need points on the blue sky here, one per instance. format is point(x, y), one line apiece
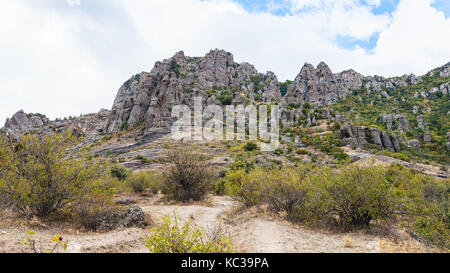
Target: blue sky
point(67, 57)
point(442, 5)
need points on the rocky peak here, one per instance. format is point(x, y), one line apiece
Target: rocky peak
point(313, 85)
point(348, 80)
point(88, 126)
point(215, 77)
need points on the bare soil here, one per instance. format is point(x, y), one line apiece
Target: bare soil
point(250, 229)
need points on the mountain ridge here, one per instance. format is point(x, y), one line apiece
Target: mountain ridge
point(146, 99)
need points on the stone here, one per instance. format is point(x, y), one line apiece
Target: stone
point(375, 135)
point(427, 138)
point(313, 85)
point(88, 126)
point(444, 71)
point(387, 143)
point(396, 143)
point(125, 217)
point(179, 79)
point(421, 123)
point(414, 143)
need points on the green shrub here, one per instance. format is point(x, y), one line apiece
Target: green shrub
point(120, 172)
point(358, 195)
point(225, 99)
point(144, 180)
point(251, 146)
point(219, 187)
point(38, 177)
point(245, 186)
point(303, 152)
point(278, 151)
point(188, 177)
point(286, 191)
point(143, 159)
point(171, 235)
point(341, 156)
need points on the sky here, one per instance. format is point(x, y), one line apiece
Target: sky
point(69, 57)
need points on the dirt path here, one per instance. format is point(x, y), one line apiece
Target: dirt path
point(264, 234)
point(250, 232)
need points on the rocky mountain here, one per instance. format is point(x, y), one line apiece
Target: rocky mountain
point(87, 126)
point(216, 77)
point(148, 97)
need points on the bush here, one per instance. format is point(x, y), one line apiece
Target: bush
point(278, 151)
point(245, 186)
point(251, 146)
point(341, 156)
point(144, 180)
point(286, 191)
point(358, 195)
point(172, 236)
point(92, 211)
point(188, 177)
point(351, 196)
point(38, 177)
point(219, 187)
point(120, 172)
point(303, 152)
point(143, 159)
point(225, 99)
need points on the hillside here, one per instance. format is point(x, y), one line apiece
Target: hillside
point(337, 129)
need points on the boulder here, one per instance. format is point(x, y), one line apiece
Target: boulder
point(427, 138)
point(395, 143)
point(415, 144)
point(387, 143)
point(375, 135)
point(126, 217)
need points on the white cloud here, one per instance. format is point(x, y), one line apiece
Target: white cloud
point(376, 3)
point(53, 61)
point(45, 67)
point(73, 2)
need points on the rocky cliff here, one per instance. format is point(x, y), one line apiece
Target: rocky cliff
point(148, 97)
point(216, 77)
point(87, 126)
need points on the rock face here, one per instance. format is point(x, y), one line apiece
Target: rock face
point(401, 121)
point(357, 136)
point(421, 122)
point(314, 85)
point(20, 124)
point(444, 71)
point(448, 143)
point(88, 126)
point(427, 138)
point(148, 97)
point(415, 144)
point(215, 77)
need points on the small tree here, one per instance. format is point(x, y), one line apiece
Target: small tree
point(38, 176)
point(120, 172)
point(358, 195)
point(188, 177)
